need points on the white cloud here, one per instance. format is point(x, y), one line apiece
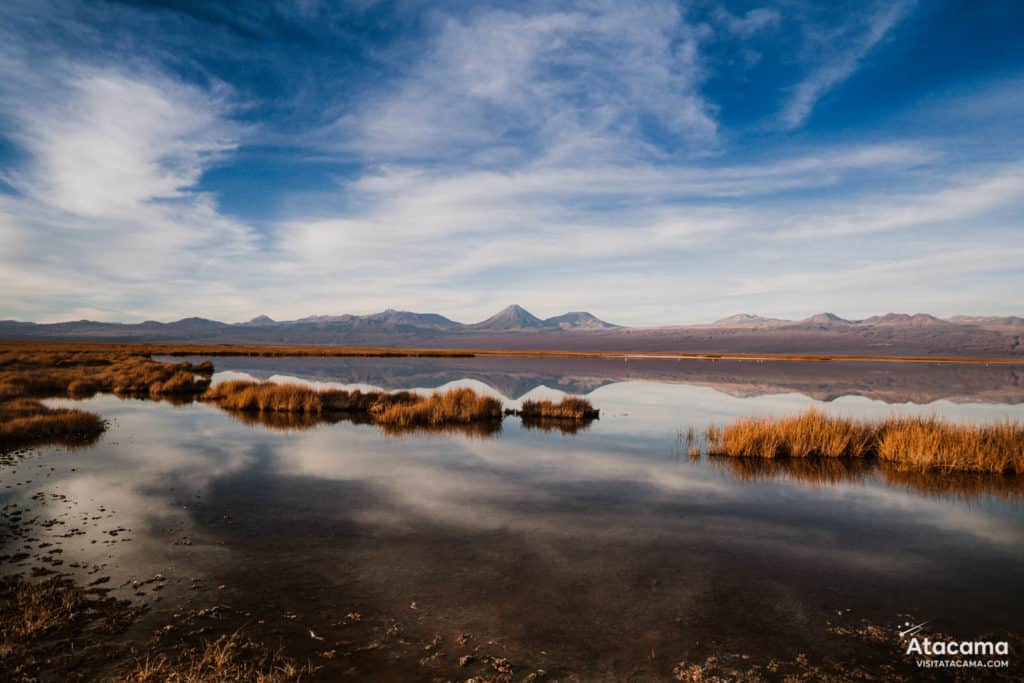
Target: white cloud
point(106, 213)
point(750, 23)
point(841, 63)
point(103, 142)
point(956, 202)
point(499, 86)
point(461, 223)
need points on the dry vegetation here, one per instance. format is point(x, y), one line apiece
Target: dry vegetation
point(569, 408)
point(27, 422)
point(271, 397)
point(567, 416)
point(931, 444)
point(397, 411)
point(457, 406)
point(60, 630)
point(27, 375)
point(910, 443)
point(80, 374)
point(228, 658)
point(39, 621)
point(810, 434)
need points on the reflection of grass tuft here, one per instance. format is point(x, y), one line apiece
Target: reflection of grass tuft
point(911, 443)
point(546, 424)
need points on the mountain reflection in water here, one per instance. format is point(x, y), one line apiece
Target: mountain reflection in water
point(515, 378)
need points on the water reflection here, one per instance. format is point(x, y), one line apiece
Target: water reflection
point(831, 471)
point(515, 378)
point(579, 553)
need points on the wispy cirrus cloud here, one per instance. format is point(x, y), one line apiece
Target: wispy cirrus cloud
point(953, 202)
point(579, 78)
point(102, 142)
point(841, 62)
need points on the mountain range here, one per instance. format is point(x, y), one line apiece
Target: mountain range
point(516, 328)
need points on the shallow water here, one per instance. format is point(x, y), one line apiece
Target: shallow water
point(608, 554)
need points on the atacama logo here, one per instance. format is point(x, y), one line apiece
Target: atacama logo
point(943, 653)
point(942, 648)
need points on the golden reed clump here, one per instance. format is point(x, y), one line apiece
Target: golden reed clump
point(456, 406)
point(913, 443)
point(31, 374)
point(249, 396)
point(810, 434)
point(26, 422)
point(569, 408)
point(927, 443)
point(82, 374)
point(399, 410)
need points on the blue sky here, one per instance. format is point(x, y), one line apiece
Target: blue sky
point(653, 162)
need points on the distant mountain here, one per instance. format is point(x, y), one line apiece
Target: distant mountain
point(516, 328)
point(431, 321)
point(513, 317)
point(516, 317)
point(916, 320)
point(578, 320)
point(824, 319)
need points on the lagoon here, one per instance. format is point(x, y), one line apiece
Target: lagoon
point(605, 554)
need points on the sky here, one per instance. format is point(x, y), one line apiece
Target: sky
point(653, 162)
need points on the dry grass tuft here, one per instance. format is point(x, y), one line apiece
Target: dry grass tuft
point(246, 396)
point(398, 411)
point(228, 658)
point(912, 443)
point(27, 374)
point(32, 609)
point(810, 434)
point(927, 443)
point(569, 408)
point(42, 374)
point(39, 620)
point(26, 422)
point(454, 407)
